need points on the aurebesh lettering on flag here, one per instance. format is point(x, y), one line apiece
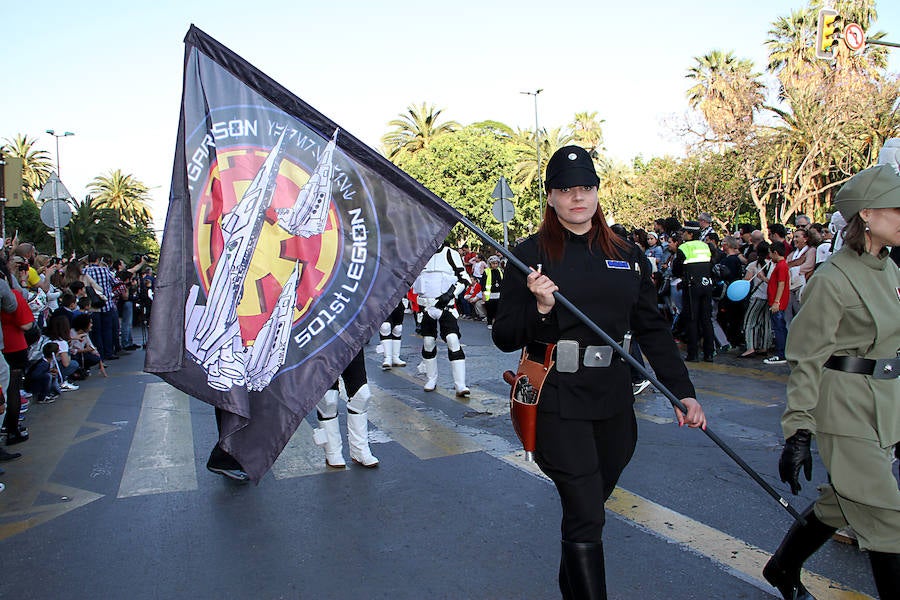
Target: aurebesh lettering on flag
point(287, 242)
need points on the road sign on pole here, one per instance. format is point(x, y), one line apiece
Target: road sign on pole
point(854, 36)
point(503, 210)
point(55, 211)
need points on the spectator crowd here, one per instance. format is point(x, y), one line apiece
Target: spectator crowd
point(63, 318)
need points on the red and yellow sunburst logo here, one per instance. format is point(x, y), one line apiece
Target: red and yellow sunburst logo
point(277, 251)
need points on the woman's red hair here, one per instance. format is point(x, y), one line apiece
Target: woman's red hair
point(552, 236)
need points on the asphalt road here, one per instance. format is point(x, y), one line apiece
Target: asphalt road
point(111, 498)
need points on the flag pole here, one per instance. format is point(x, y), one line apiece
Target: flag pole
point(636, 365)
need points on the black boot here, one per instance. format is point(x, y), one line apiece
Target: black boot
point(583, 570)
point(886, 569)
point(783, 569)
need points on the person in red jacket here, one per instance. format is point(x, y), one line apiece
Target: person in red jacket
point(779, 296)
point(15, 351)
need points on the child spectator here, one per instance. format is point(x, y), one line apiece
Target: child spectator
point(80, 346)
point(58, 331)
point(41, 377)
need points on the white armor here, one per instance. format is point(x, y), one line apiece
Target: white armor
point(442, 280)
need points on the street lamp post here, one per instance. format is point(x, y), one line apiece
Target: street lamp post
point(537, 147)
point(57, 136)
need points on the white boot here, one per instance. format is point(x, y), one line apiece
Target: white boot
point(430, 372)
point(458, 367)
point(358, 440)
point(387, 345)
point(395, 354)
point(329, 437)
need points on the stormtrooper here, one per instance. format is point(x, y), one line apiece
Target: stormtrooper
point(442, 280)
point(328, 435)
point(390, 332)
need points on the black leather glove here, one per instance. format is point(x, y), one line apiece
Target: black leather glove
point(795, 455)
point(444, 300)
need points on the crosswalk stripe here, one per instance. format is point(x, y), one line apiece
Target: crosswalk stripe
point(300, 456)
point(161, 457)
point(419, 433)
point(739, 557)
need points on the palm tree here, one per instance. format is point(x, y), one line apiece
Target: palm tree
point(415, 129)
point(527, 169)
point(791, 44)
point(123, 194)
point(98, 229)
point(726, 91)
point(588, 132)
point(37, 165)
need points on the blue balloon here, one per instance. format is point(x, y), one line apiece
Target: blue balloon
point(738, 290)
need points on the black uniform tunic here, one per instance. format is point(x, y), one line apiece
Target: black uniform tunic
point(586, 430)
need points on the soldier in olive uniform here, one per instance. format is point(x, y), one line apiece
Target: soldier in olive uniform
point(844, 390)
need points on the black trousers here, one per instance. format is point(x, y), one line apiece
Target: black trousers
point(584, 459)
point(697, 305)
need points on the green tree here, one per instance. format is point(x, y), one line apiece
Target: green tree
point(726, 91)
point(25, 223)
point(93, 228)
point(414, 130)
point(463, 168)
point(587, 132)
point(124, 194)
point(37, 166)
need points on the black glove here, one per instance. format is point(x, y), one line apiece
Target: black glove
point(796, 454)
point(897, 451)
point(444, 300)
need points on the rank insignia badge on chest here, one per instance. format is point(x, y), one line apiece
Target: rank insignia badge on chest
point(618, 264)
point(898, 293)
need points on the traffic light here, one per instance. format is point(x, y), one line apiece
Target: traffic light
point(828, 30)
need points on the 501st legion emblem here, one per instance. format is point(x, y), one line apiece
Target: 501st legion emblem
point(285, 247)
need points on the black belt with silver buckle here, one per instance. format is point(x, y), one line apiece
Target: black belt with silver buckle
point(565, 357)
point(881, 368)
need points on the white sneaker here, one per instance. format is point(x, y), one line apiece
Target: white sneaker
point(637, 388)
point(68, 387)
point(775, 360)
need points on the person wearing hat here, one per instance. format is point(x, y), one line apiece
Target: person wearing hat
point(693, 263)
point(704, 220)
point(844, 390)
point(493, 280)
point(586, 428)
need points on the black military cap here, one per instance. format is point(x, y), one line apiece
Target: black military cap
point(691, 226)
point(570, 166)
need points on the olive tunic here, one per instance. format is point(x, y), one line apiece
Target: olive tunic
point(851, 307)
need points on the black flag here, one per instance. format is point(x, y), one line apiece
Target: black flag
point(287, 243)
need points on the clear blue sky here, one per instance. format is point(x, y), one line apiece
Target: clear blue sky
point(111, 71)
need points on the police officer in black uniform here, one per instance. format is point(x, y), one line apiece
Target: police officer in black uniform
point(693, 263)
point(586, 428)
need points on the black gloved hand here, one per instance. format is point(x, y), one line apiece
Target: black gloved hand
point(444, 300)
point(796, 454)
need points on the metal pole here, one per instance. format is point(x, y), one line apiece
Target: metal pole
point(876, 42)
point(56, 218)
point(537, 147)
point(57, 136)
point(640, 368)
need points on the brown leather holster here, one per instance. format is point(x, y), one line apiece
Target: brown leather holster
point(525, 392)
